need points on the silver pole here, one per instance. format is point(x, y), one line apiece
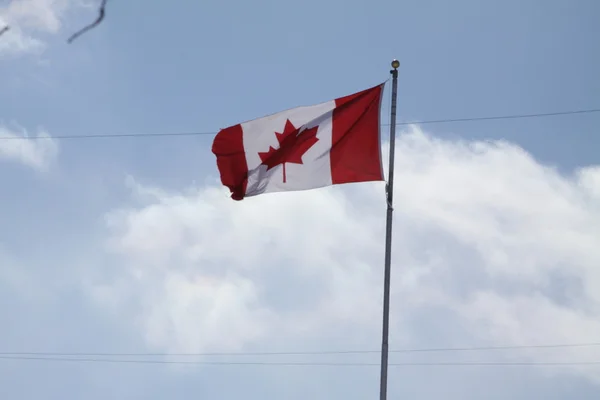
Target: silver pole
point(388, 238)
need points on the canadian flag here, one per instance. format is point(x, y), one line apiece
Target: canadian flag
point(304, 148)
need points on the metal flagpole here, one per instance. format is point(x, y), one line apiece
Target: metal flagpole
point(388, 238)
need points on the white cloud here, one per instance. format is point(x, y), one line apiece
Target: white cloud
point(30, 21)
point(35, 153)
point(505, 249)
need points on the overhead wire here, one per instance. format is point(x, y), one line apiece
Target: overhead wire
point(295, 353)
point(290, 364)
point(415, 122)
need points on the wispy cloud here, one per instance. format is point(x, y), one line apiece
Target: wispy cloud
point(504, 248)
point(38, 154)
point(31, 22)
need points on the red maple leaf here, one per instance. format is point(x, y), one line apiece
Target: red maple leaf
point(293, 143)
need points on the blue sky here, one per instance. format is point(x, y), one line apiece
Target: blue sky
point(130, 245)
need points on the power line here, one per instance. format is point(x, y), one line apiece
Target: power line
point(416, 122)
point(291, 364)
point(500, 117)
point(311, 364)
point(293, 353)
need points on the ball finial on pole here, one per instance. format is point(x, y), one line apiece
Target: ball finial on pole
point(395, 64)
